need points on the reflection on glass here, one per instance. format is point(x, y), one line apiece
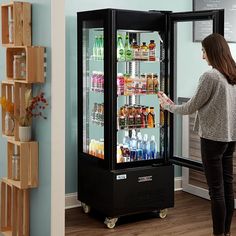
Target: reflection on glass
point(186, 141)
point(138, 111)
point(93, 88)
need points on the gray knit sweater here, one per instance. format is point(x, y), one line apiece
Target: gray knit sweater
point(215, 103)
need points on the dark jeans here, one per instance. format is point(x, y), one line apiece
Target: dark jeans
point(217, 158)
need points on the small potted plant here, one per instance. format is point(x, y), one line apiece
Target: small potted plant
point(34, 107)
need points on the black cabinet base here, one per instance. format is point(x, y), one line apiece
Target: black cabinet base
point(127, 191)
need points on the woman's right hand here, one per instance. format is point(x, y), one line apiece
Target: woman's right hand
point(164, 99)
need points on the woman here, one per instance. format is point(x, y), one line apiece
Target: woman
point(215, 104)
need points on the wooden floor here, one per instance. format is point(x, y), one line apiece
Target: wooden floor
point(189, 217)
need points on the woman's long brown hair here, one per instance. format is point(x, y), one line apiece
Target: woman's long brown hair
point(219, 56)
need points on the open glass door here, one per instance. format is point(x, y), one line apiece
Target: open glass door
point(184, 142)
point(184, 80)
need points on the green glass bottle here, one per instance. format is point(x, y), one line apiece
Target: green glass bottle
point(128, 51)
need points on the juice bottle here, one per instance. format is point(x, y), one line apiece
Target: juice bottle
point(151, 118)
point(120, 84)
point(149, 83)
point(144, 52)
point(122, 118)
point(155, 82)
point(137, 118)
point(131, 121)
point(128, 86)
point(102, 148)
point(143, 83)
point(102, 114)
point(135, 50)
point(152, 50)
point(162, 117)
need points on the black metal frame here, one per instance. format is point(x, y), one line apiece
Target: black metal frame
point(218, 27)
point(157, 21)
point(115, 20)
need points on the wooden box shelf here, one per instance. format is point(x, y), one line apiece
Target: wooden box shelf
point(19, 13)
point(14, 212)
point(7, 91)
point(28, 152)
point(35, 66)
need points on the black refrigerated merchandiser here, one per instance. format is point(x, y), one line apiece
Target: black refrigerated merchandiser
point(125, 140)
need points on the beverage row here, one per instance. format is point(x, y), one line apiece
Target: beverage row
point(146, 83)
point(126, 51)
point(134, 148)
point(137, 148)
point(136, 116)
point(97, 115)
point(129, 116)
point(96, 148)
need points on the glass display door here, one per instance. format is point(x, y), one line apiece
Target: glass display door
point(140, 122)
point(186, 142)
point(93, 88)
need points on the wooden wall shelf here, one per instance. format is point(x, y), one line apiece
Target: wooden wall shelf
point(14, 212)
point(35, 66)
point(20, 15)
point(28, 152)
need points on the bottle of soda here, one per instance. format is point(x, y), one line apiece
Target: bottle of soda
point(95, 48)
point(128, 51)
point(120, 49)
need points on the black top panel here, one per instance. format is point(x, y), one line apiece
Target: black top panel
point(129, 19)
point(140, 20)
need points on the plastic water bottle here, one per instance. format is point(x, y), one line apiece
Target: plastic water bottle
point(145, 147)
point(139, 151)
point(133, 146)
point(126, 139)
point(153, 147)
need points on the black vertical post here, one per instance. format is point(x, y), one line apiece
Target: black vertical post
point(110, 96)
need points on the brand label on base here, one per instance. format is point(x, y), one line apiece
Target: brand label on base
point(144, 178)
point(119, 177)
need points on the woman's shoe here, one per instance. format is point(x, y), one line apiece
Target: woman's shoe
point(228, 234)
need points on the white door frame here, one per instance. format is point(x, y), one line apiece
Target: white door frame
point(58, 118)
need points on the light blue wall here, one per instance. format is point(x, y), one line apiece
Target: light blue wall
point(71, 8)
point(40, 198)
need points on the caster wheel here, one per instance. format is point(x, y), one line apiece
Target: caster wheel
point(85, 207)
point(110, 222)
point(163, 213)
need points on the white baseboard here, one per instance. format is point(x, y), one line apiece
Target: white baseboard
point(178, 183)
point(72, 202)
